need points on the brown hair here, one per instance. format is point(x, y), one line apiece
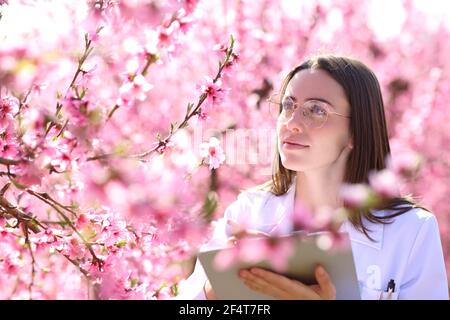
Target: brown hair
point(367, 127)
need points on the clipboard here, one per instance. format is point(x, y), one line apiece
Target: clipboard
point(307, 254)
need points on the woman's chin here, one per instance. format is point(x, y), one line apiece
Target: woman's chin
point(292, 165)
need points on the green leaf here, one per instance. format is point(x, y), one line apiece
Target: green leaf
point(175, 289)
point(82, 94)
point(172, 126)
point(133, 282)
point(95, 116)
point(189, 107)
point(121, 243)
point(18, 184)
point(210, 204)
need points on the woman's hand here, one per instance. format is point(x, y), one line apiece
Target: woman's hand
point(281, 287)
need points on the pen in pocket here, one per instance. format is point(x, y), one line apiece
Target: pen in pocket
point(390, 288)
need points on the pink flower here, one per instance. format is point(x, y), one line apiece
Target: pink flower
point(355, 195)
point(212, 152)
point(202, 116)
point(214, 93)
point(406, 164)
point(133, 89)
point(8, 150)
point(385, 183)
point(75, 249)
point(189, 5)
point(252, 250)
point(302, 218)
point(279, 254)
point(8, 108)
point(225, 259)
point(49, 237)
point(38, 88)
point(28, 173)
point(221, 47)
point(185, 22)
point(78, 110)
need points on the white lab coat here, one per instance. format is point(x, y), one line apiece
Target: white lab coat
point(408, 251)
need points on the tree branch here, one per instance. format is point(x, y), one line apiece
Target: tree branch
point(189, 114)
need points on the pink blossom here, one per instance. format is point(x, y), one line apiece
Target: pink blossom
point(355, 195)
point(406, 164)
point(75, 249)
point(212, 152)
point(280, 253)
point(9, 151)
point(189, 5)
point(221, 47)
point(385, 183)
point(185, 21)
point(8, 107)
point(133, 89)
point(29, 174)
point(226, 258)
point(78, 110)
point(214, 93)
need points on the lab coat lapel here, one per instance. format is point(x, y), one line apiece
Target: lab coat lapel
point(284, 209)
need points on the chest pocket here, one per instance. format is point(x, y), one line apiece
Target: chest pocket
point(373, 294)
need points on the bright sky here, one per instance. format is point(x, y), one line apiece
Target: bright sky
point(385, 18)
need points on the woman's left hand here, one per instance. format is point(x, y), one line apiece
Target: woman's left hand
point(281, 287)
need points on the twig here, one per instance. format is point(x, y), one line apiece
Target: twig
point(46, 196)
point(33, 261)
point(152, 58)
point(87, 51)
point(8, 162)
point(14, 211)
point(96, 260)
point(190, 113)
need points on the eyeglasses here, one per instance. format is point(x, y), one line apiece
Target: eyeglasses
point(314, 113)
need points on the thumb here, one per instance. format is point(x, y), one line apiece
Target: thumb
point(327, 288)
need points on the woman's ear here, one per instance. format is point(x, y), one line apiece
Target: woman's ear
point(350, 144)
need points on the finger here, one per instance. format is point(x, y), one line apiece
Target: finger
point(328, 290)
point(258, 284)
point(273, 278)
point(287, 285)
point(293, 288)
point(232, 240)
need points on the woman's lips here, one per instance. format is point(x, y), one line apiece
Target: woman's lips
point(293, 145)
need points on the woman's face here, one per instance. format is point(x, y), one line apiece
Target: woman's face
point(324, 144)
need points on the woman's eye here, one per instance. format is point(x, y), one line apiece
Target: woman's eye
point(287, 105)
point(318, 110)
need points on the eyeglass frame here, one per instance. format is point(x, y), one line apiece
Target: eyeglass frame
point(296, 105)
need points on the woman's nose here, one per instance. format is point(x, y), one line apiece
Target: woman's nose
point(294, 123)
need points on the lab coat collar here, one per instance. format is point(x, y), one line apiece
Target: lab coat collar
point(376, 230)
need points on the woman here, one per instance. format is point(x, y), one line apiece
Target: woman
point(332, 130)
